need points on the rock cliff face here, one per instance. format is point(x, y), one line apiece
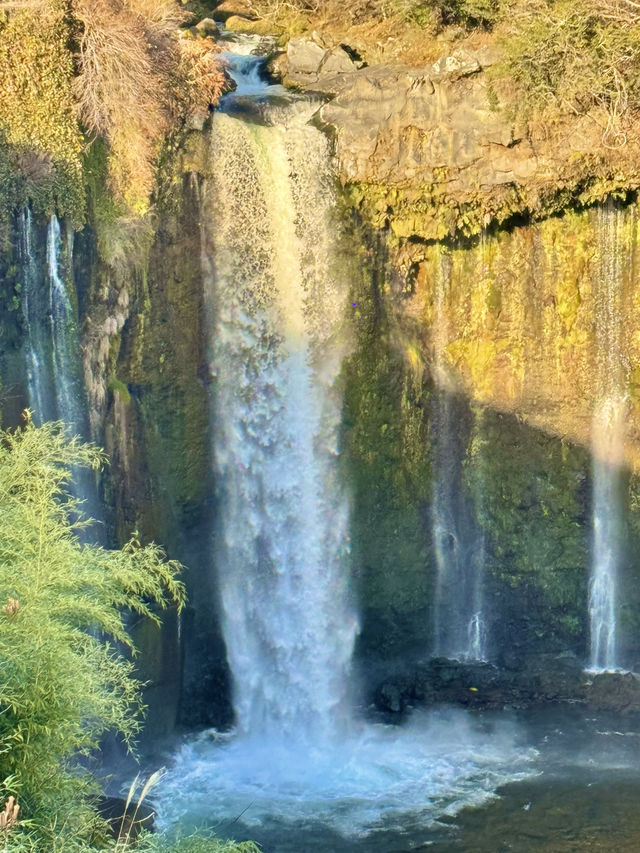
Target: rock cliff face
point(433, 152)
point(525, 320)
point(499, 291)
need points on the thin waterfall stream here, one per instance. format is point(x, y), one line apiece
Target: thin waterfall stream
point(65, 343)
point(459, 618)
point(607, 443)
point(53, 351)
point(35, 306)
point(53, 344)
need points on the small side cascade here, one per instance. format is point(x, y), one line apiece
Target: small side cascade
point(607, 511)
point(35, 306)
point(607, 446)
point(53, 345)
point(52, 348)
point(460, 625)
point(478, 632)
point(65, 342)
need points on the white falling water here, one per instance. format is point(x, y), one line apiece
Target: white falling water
point(476, 637)
point(477, 630)
point(65, 342)
point(282, 540)
point(459, 622)
point(607, 446)
point(52, 348)
point(607, 511)
point(38, 345)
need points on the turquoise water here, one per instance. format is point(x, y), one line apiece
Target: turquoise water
point(551, 780)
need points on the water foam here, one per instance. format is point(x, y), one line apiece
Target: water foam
point(377, 778)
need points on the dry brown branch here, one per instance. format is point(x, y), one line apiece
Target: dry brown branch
point(619, 11)
point(203, 71)
point(10, 608)
point(9, 817)
point(10, 5)
point(128, 61)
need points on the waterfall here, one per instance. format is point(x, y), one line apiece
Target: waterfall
point(459, 622)
point(65, 342)
point(53, 353)
point(276, 308)
point(53, 347)
point(35, 305)
point(607, 445)
point(477, 627)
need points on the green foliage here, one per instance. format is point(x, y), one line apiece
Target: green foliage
point(114, 71)
point(470, 13)
point(26, 841)
point(63, 678)
point(10, 291)
point(568, 55)
point(200, 843)
point(40, 140)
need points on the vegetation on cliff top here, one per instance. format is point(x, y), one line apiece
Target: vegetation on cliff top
point(573, 57)
point(76, 71)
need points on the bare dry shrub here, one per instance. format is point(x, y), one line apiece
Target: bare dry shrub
point(126, 85)
point(203, 72)
point(9, 817)
point(124, 242)
point(621, 11)
point(34, 165)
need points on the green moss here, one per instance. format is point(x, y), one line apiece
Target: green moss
point(531, 493)
point(40, 141)
point(430, 213)
point(629, 571)
point(119, 388)
point(386, 448)
point(10, 315)
point(159, 359)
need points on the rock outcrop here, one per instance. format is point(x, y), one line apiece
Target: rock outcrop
point(557, 679)
point(434, 152)
point(310, 64)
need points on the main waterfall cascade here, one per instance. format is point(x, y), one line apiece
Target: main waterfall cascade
point(460, 630)
point(607, 444)
point(276, 348)
point(276, 302)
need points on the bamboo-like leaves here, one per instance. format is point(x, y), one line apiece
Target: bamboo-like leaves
point(63, 678)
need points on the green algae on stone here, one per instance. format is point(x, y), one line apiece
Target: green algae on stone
point(432, 212)
point(516, 318)
point(531, 497)
point(386, 448)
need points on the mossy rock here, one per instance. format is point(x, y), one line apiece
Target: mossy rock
point(238, 24)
